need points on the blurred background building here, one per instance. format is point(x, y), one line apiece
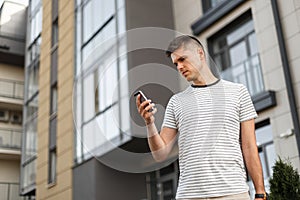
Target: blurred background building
point(12, 44)
point(252, 42)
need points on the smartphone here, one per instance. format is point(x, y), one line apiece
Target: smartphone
point(143, 98)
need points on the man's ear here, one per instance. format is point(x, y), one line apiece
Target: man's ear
point(201, 53)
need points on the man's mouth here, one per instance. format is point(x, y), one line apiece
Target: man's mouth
point(184, 73)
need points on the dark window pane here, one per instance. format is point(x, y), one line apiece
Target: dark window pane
point(33, 80)
point(53, 106)
point(54, 32)
point(54, 9)
point(209, 4)
point(52, 167)
point(54, 67)
point(52, 142)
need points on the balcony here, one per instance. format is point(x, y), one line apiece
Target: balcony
point(248, 73)
point(10, 191)
point(11, 89)
point(10, 139)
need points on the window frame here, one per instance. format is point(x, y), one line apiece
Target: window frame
point(222, 35)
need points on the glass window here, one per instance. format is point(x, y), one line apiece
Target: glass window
point(54, 9)
point(52, 167)
point(31, 109)
point(29, 174)
point(35, 24)
point(87, 21)
point(30, 132)
point(99, 88)
point(54, 67)
point(88, 98)
point(52, 141)
point(33, 81)
point(54, 32)
point(102, 11)
point(112, 119)
point(93, 136)
point(53, 106)
point(95, 15)
point(209, 4)
point(29, 136)
point(78, 42)
point(235, 52)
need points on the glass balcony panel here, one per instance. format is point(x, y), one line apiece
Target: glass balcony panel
point(10, 139)
point(11, 89)
point(248, 73)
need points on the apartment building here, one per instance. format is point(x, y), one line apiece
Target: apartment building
point(12, 44)
point(82, 136)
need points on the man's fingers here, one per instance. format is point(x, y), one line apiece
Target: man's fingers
point(143, 105)
point(148, 110)
point(154, 110)
point(138, 100)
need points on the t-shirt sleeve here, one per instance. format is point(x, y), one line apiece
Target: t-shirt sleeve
point(247, 110)
point(169, 119)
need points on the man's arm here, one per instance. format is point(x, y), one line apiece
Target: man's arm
point(251, 157)
point(160, 144)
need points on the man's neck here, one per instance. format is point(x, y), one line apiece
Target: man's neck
point(207, 81)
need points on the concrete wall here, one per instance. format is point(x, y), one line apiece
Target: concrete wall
point(93, 180)
point(11, 72)
point(9, 171)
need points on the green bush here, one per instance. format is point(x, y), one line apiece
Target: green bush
point(285, 183)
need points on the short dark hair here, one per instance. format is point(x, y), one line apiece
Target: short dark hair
point(180, 41)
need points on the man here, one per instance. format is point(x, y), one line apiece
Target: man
point(213, 120)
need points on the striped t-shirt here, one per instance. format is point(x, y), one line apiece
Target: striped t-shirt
point(208, 122)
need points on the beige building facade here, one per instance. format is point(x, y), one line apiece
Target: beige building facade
point(64, 104)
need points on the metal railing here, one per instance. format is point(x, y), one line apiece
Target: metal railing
point(248, 73)
point(9, 191)
point(10, 139)
point(11, 89)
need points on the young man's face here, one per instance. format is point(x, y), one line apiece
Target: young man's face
point(188, 62)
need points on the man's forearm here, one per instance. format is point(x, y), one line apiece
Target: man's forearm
point(254, 168)
point(156, 143)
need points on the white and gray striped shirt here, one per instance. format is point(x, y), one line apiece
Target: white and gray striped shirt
point(208, 121)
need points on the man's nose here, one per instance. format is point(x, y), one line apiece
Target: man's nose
point(179, 66)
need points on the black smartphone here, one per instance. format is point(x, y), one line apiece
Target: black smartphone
point(143, 98)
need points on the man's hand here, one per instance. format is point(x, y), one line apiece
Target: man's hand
point(143, 109)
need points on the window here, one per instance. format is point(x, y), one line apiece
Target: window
point(54, 32)
point(234, 49)
point(101, 99)
point(209, 4)
point(35, 20)
point(52, 152)
point(53, 96)
point(52, 168)
point(30, 109)
point(163, 183)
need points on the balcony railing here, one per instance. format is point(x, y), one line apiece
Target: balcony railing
point(10, 139)
point(248, 73)
point(9, 191)
point(11, 89)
